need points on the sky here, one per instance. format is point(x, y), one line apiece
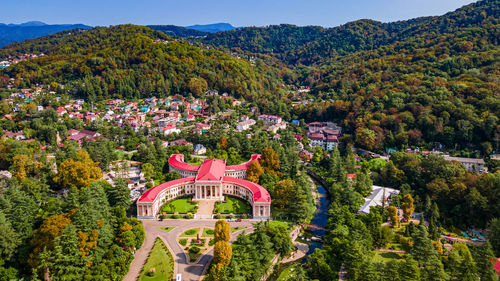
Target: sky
point(327, 13)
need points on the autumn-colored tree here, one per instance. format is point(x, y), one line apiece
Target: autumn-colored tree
point(393, 216)
point(216, 272)
point(79, 173)
point(43, 238)
point(366, 137)
point(223, 142)
point(222, 231)
point(86, 242)
point(19, 163)
point(222, 253)
point(271, 161)
point(407, 206)
point(254, 171)
point(197, 86)
point(283, 192)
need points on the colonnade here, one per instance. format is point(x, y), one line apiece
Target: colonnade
point(208, 192)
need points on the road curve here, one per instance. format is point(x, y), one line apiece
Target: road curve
point(189, 271)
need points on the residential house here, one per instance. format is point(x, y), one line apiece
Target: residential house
point(471, 164)
point(245, 125)
point(199, 149)
point(167, 130)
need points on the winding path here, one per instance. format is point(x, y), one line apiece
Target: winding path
point(189, 271)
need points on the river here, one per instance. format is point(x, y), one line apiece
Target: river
point(320, 218)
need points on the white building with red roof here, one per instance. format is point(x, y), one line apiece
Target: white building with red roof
point(210, 181)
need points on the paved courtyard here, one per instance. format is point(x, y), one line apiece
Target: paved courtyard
point(189, 271)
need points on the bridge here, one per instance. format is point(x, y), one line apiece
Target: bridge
point(313, 226)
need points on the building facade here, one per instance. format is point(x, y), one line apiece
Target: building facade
point(210, 181)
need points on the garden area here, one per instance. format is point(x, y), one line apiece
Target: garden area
point(166, 228)
point(232, 205)
point(196, 241)
point(159, 265)
point(184, 205)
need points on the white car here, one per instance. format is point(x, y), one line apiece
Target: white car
point(179, 277)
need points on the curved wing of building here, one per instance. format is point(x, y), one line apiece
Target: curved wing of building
point(210, 181)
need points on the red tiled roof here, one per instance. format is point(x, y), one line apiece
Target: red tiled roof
point(177, 161)
point(211, 170)
point(243, 166)
point(497, 265)
point(260, 194)
point(150, 195)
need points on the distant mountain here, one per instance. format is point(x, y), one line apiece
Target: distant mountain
point(178, 31)
point(213, 28)
point(314, 45)
point(10, 33)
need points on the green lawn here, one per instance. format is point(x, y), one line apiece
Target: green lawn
point(277, 223)
point(166, 228)
point(237, 228)
point(191, 232)
point(232, 205)
point(288, 273)
point(180, 205)
point(208, 232)
point(385, 256)
point(161, 260)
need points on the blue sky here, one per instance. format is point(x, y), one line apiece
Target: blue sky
point(237, 12)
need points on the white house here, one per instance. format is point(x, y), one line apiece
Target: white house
point(380, 196)
point(167, 130)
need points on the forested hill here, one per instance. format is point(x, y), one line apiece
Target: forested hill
point(439, 86)
point(314, 45)
point(12, 33)
point(179, 31)
point(135, 61)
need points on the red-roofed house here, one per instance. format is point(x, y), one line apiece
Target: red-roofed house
point(61, 110)
point(190, 117)
point(210, 181)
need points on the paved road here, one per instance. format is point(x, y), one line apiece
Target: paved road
point(189, 271)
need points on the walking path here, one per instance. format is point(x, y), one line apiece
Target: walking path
point(189, 271)
point(205, 209)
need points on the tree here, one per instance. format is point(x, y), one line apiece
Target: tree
point(409, 270)
point(318, 154)
point(254, 171)
point(197, 86)
point(172, 176)
point(407, 207)
point(318, 267)
point(79, 173)
point(494, 235)
point(119, 195)
point(222, 231)
point(44, 237)
point(9, 239)
point(19, 163)
point(426, 255)
point(222, 253)
point(393, 216)
point(216, 272)
point(149, 170)
point(270, 161)
point(223, 142)
point(460, 263)
point(283, 191)
point(484, 259)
